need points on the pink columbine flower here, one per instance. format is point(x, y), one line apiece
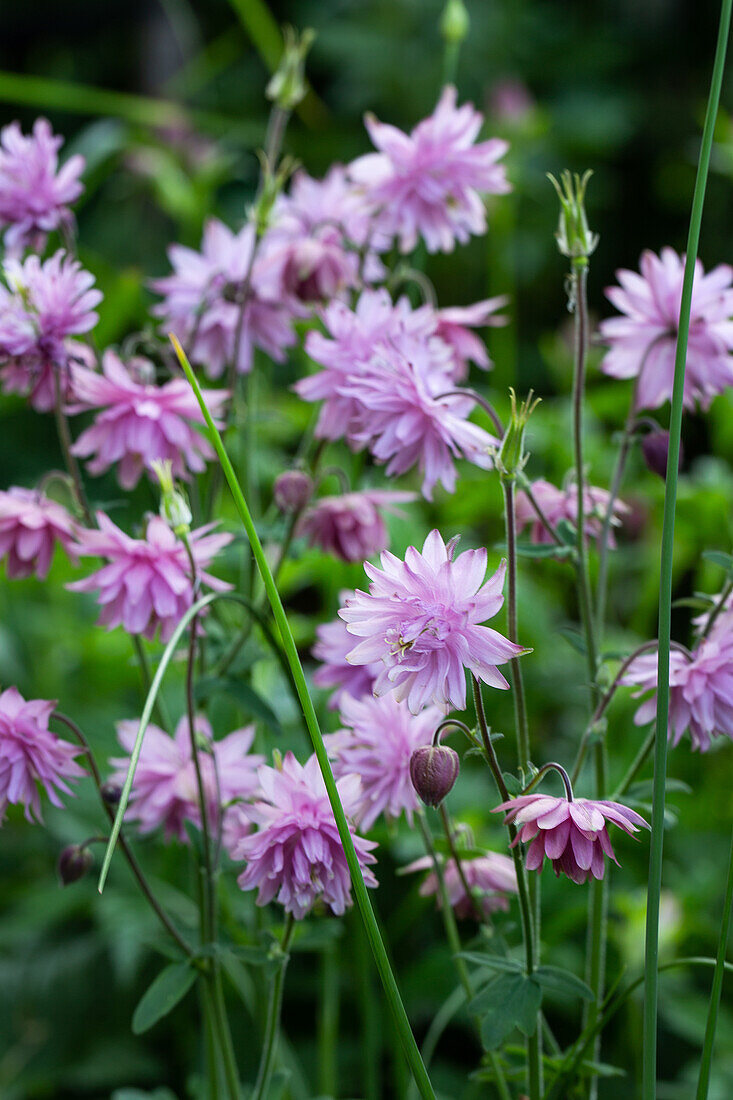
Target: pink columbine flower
point(30, 527)
point(454, 328)
point(376, 743)
point(351, 526)
point(572, 834)
point(139, 423)
point(35, 194)
point(334, 642)
point(201, 302)
point(146, 583)
point(165, 791)
point(642, 343)
point(422, 619)
point(42, 306)
point(428, 183)
point(701, 689)
point(30, 754)
point(490, 878)
point(296, 855)
point(562, 504)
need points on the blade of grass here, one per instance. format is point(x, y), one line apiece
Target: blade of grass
point(651, 958)
point(391, 990)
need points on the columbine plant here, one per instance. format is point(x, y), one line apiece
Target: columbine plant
point(318, 264)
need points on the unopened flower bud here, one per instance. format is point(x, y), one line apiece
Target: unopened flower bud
point(433, 771)
point(655, 449)
point(288, 86)
point(173, 504)
point(574, 238)
point(512, 457)
point(111, 793)
point(292, 491)
point(454, 22)
point(73, 864)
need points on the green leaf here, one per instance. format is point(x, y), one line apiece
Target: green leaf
point(563, 981)
point(251, 702)
point(717, 557)
point(697, 603)
point(513, 1000)
point(574, 638)
point(543, 550)
point(492, 962)
point(160, 998)
point(239, 978)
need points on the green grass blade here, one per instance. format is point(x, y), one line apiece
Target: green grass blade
point(360, 892)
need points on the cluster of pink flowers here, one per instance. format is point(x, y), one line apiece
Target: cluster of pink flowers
point(31, 526)
point(165, 791)
point(140, 423)
point(562, 504)
point(642, 342)
point(146, 584)
point(422, 619)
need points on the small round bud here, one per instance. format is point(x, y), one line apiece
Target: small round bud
point(454, 22)
point(292, 491)
point(111, 793)
point(433, 771)
point(655, 449)
point(73, 863)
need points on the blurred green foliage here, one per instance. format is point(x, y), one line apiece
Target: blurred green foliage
point(617, 87)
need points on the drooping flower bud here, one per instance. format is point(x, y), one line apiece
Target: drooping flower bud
point(111, 793)
point(655, 449)
point(173, 504)
point(574, 238)
point(73, 863)
point(433, 771)
point(292, 491)
point(288, 86)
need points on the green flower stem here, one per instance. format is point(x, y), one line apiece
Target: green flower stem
point(534, 1056)
point(651, 984)
point(402, 1024)
point(605, 538)
point(328, 1021)
point(636, 765)
point(144, 665)
point(272, 1025)
point(65, 442)
point(520, 705)
point(456, 857)
point(707, 1050)
point(369, 1010)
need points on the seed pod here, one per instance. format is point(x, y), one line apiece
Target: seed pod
point(433, 771)
point(73, 863)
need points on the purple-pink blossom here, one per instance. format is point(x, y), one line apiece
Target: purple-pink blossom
point(454, 328)
point(331, 648)
point(296, 856)
point(35, 193)
point(490, 878)
point(428, 184)
point(700, 693)
point(146, 584)
point(202, 302)
point(139, 423)
point(31, 526)
point(562, 504)
point(351, 526)
point(572, 834)
point(376, 742)
point(31, 755)
point(642, 342)
point(422, 619)
point(42, 307)
point(165, 790)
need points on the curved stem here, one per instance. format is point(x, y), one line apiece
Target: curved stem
point(455, 856)
point(482, 401)
point(402, 1023)
point(712, 1021)
point(527, 490)
point(651, 986)
point(272, 1026)
point(719, 606)
point(520, 705)
point(65, 442)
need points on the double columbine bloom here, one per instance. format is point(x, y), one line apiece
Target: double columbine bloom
point(31, 526)
point(422, 619)
point(562, 504)
point(351, 527)
point(491, 878)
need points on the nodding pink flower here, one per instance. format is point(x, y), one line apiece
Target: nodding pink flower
point(165, 790)
point(146, 583)
point(491, 878)
point(454, 328)
point(201, 302)
point(642, 342)
point(296, 855)
point(334, 642)
point(428, 183)
point(572, 835)
point(351, 526)
point(42, 306)
point(31, 755)
point(562, 504)
point(140, 423)
point(701, 689)
point(422, 618)
point(376, 743)
point(35, 194)
point(30, 527)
